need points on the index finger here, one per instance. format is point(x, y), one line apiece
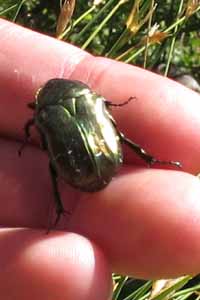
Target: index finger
point(164, 119)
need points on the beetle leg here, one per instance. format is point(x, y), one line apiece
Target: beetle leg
point(27, 127)
point(149, 159)
point(108, 103)
point(43, 142)
point(58, 202)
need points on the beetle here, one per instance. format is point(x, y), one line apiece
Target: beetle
point(80, 135)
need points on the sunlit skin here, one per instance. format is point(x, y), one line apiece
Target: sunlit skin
point(146, 223)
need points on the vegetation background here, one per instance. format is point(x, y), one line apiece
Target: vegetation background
point(162, 36)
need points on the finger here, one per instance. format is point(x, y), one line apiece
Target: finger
point(27, 198)
point(22, 75)
point(55, 266)
point(164, 119)
point(146, 220)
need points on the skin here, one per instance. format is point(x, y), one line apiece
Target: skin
point(146, 223)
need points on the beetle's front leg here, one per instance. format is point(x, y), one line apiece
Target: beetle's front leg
point(43, 142)
point(149, 159)
point(27, 127)
point(109, 103)
point(58, 202)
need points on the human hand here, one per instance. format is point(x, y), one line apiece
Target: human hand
point(146, 223)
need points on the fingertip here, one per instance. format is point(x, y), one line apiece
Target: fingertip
point(56, 266)
point(148, 222)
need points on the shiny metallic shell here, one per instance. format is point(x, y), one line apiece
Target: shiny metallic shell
point(80, 135)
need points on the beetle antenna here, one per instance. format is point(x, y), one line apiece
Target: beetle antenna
point(108, 103)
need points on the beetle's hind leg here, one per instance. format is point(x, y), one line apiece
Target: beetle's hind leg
point(27, 127)
point(149, 159)
point(58, 202)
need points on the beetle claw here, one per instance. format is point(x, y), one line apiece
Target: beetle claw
point(61, 213)
point(163, 162)
point(57, 220)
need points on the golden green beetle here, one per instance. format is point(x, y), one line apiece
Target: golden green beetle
point(80, 135)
